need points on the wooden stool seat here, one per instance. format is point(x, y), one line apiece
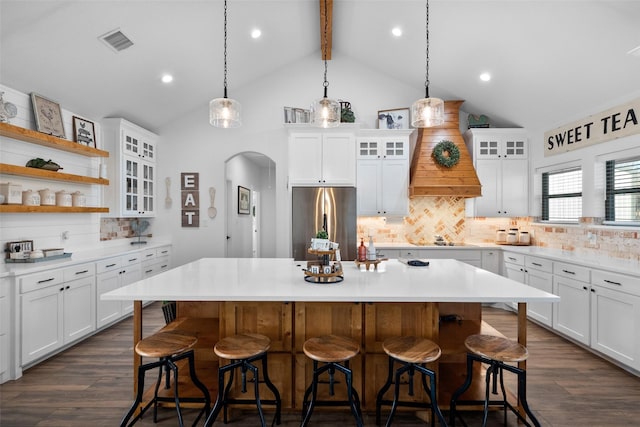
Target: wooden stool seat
point(242, 346)
point(412, 349)
point(243, 350)
point(496, 348)
point(331, 348)
point(168, 347)
point(165, 344)
point(498, 353)
point(412, 354)
point(334, 352)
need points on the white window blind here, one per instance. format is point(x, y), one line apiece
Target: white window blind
point(562, 195)
point(622, 203)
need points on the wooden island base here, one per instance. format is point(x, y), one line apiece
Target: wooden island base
point(288, 325)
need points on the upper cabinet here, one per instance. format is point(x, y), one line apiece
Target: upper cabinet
point(135, 150)
point(37, 138)
point(319, 157)
point(383, 172)
point(500, 157)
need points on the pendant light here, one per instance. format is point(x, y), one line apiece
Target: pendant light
point(427, 112)
point(325, 112)
point(225, 112)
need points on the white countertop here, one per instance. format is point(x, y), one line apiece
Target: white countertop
point(281, 279)
point(79, 257)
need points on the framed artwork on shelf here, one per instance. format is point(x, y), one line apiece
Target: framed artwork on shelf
point(244, 206)
point(48, 115)
point(84, 132)
point(397, 118)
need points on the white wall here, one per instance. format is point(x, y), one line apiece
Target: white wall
point(590, 159)
point(191, 144)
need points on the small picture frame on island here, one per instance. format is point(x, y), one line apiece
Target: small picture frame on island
point(48, 115)
point(397, 118)
point(244, 204)
point(84, 132)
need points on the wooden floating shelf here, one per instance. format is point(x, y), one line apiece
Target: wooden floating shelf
point(45, 140)
point(51, 209)
point(51, 175)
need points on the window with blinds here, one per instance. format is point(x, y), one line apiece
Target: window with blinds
point(562, 195)
point(622, 203)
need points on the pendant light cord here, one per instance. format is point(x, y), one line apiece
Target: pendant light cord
point(426, 74)
point(324, 49)
point(225, 48)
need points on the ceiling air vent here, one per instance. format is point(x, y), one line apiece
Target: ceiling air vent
point(116, 40)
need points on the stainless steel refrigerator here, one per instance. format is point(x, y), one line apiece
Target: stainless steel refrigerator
point(329, 208)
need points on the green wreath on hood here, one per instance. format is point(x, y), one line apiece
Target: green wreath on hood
point(452, 151)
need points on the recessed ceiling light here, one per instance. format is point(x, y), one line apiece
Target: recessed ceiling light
point(485, 77)
point(256, 33)
point(397, 31)
point(167, 78)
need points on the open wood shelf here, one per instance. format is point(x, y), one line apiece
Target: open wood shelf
point(51, 209)
point(50, 175)
point(45, 140)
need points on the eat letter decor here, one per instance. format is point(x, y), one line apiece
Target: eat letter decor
point(190, 198)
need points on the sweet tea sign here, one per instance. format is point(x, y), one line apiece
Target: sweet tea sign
point(605, 126)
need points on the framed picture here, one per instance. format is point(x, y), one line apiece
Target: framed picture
point(84, 132)
point(48, 115)
point(244, 205)
point(394, 119)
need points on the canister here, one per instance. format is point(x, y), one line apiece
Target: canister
point(512, 237)
point(63, 198)
point(47, 197)
point(12, 193)
point(78, 199)
point(524, 237)
point(501, 236)
point(30, 198)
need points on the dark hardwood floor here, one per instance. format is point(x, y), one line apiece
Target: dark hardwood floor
point(90, 385)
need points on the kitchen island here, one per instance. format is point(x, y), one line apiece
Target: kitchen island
point(222, 296)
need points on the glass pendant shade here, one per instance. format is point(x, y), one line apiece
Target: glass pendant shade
point(225, 113)
point(427, 112)
point(325, 113)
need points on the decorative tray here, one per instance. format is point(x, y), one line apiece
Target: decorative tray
point(513, 244)
point(32, 260)
point(368, 263)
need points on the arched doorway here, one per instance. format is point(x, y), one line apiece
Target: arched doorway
point(250, 228)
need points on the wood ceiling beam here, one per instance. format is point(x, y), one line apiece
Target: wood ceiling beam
point(328, 12)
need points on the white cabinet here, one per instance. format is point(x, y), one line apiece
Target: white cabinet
point(571, 316)
point(500, 157)
point(5, 330)
point(132, 192)
point(535, 272)
point(322, 159)
point(112, 274)
point(57, 308)
point(383, 173)
point(156, 261)
point(615, 316)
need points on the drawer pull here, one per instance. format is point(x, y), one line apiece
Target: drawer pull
point(110, 265)
point(46, 280)
point(568, 272)
point(164, 266)
point(536, 264)
point(133, 259)
point(612, 282)
point(82, 272)
point(149, 271)
point(512, 259)
point(164, 252)
point(148, 255)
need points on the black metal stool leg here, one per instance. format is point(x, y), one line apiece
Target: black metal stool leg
point(274, 390)
point(460, 391)
point(431, 391)
point(221, 399)
point(522, 396)
point(383, 390)
point(155, 392)
point(174, 368)
point(313, 390)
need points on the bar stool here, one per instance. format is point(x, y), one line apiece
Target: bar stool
point(242, 350)
point(335, 352)
point(495, 352)
point(412, 353)
point(169, 347)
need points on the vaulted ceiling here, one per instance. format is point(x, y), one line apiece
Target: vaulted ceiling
point(549, 59)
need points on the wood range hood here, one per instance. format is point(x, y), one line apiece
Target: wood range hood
point(427, 177)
